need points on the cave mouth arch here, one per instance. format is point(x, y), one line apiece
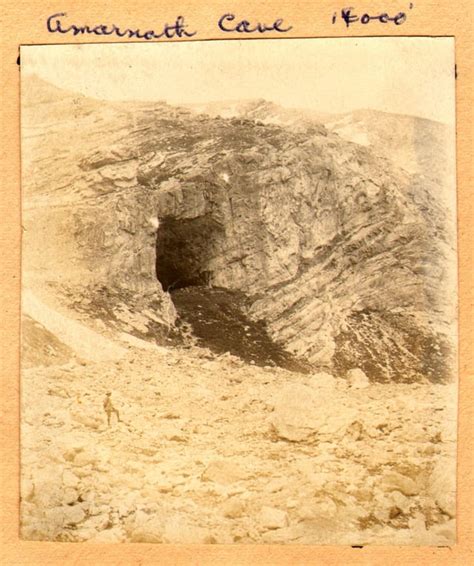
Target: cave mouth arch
point(184, 249)
point(188, 251)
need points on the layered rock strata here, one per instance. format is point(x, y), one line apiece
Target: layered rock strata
point(348, 259)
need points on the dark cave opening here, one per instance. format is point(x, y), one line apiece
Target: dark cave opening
point(184, 249)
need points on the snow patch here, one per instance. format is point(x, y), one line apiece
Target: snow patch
point(353, 134)
point(85, 342)
point(154, 222)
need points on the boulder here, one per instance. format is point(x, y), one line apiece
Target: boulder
point(393, 481)
point(27, 489)
point(178, 530)
point(276, 484)
point(301, 413)
point(233, 508)
point(223, 472)
point(357, 379)
point(271, 518)
point(116, 534)
point(85, 458)
point(323, 380)
point(442, 485)
point(400, 501)
point(65, 515)
point(47, 494)
point(295, 413)
point(148, 530)
point(445, 531)
point(70, 496)
point(70, 479)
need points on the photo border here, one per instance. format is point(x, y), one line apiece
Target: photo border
point(23, 23)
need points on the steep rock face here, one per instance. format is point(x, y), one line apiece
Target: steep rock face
point(89, 228)
point(340, 252)
point(415, 144)
point(320, 233)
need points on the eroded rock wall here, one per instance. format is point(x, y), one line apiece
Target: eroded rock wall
point(337, 248)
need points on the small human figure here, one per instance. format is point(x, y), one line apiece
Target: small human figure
point(109, 408)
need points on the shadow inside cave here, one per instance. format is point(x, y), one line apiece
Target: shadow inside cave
point(184, 249)
point(218, 317)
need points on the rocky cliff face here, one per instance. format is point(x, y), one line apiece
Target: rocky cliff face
point(414, 144)
point(346, 258)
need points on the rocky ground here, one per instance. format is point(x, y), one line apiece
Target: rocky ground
point(211, 449)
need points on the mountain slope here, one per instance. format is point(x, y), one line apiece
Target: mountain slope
point(344, 257)
point(414, 144)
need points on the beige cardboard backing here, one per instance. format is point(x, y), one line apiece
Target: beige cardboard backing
point(24, 22)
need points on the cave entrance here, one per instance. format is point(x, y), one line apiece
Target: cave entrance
point(185, 253)
point(184, 249)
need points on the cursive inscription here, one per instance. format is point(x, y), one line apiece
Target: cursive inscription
point(178, 29)
point(227, 23)
point(349, 17)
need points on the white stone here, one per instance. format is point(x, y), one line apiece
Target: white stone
point(357, 379)
point(393, 481)
point(442, 485)
point(70, 479)
point(148, 530)
point(302, 412)
point(276, 485)
point(223, 471)
point(323, 379)
point(272, 518)
point(64, 515)
point(116, 534)
point(73, 514)
point(179, 531)
point(70, 495)
point(233, 508)
point(27, 489)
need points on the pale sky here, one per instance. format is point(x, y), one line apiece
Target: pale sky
point(400, 75)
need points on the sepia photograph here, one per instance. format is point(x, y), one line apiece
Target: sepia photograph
point(239, 292)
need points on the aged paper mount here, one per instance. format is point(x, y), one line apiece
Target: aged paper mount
point(221, 497)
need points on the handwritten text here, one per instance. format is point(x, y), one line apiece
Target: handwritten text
point(244, 26)
point(348, 16)
point(228, 23)
point(169, 31)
